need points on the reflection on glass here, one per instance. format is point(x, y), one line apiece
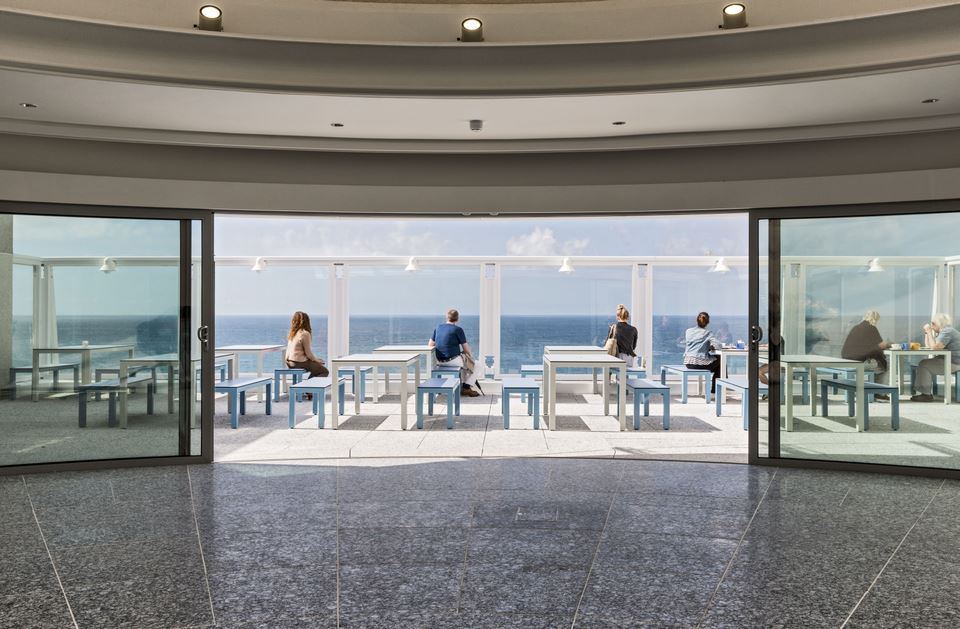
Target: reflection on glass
point(76, 326)
point(853, 288)
point(541, 307)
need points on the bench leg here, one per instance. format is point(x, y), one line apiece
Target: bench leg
point(268, 402)
point(663, 375)
point(683, 388)
point(851, 406)
point(430, 404)
point(363, 386)
point(76, 378)
point(804, 388)
point(112, 409)
point(636, 411)
point(456, 399)
point(866, 416)
point(276, 386)
point(342, 387)
point(243, 402)
point(536, 412)
point(894, 410)
point(234, 410)
point(420, 395)
point(450, 411)
point(823, 398)
point(292, 411)
point(56, 379)
point(666, 410)
point(646, 405)
point(505, 403)
point(151, 389)
point(706, 387)
point(529, 403)
point(321, 395)
point(720, 398)
point(83, 409)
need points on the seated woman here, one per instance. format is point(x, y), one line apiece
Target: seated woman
point(626, 337)
point(700, 342)
point(299, 355)
point(864, 344)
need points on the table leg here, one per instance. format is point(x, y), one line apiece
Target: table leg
point(234, 366)
point(723, 365)
point(334, 407)
point(259, 373)
point(404, 374)
point(621, 394)
point(861, 399)
point(812, 374)
point(896, 376)
point(122, 411)
point(594, 372)
point(35, 377)
point(788, 385)
point(416, 374)
point(605, 389)
point(947, 382)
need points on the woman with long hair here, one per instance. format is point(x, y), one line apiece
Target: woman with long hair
point(299, 354)
point(626, 337)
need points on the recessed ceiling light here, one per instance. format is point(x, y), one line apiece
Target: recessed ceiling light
point(336, 124)
point(619, 123)
point(471, 30)
point(930, 101)
point(211, 18)
point(28, 105)
point(734, 16)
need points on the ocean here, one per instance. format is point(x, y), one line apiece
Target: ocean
point(522, 337)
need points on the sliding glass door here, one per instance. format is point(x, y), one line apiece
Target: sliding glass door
point(860, 356)
point(98, 359)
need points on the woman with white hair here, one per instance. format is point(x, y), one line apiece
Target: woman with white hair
point(938, 334)
point(865, 344)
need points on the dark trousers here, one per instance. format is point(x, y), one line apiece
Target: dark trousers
point(312, 366)
point(714, 368)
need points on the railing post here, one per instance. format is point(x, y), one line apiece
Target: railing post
point(338, 318)
point(489, 316)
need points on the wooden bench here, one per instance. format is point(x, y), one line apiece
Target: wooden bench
point(874, 388)
point(741, 386)
point(112, 388)
point(685, 374)
point(318, 387)
point(642, 390)
point(54, 369)
point(529, 390)
point(238, 387)
point(436, 386)
point(350, 373)
point(296, 375)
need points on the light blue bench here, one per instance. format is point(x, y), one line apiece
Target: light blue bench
point(534, 371)
point(435, 386)
point(219, 367)
point(54, 369)
point(803, 376)
point(112, 387)
point(348, 372)
point(318, 387)
point(131, 371)
point(529, 390)
point(642, 390)
point(741, 386)
point(238, 387)
point(849, 373)
point(850, 386)
point(445, 371)
point(686, 373)
point(296, 375)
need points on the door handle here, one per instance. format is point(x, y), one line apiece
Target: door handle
point(203, 335)
point(756, 333)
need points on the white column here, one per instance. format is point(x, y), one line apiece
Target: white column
point(941, 290)
point(6, 305)
point(338, 317)
point(44, 311)
point(489, 342)
point(793, 319)
point(641, 303)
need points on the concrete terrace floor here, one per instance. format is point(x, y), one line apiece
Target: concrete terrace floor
point(478, 543)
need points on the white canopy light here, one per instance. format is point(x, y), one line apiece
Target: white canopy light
point(719, 267)
point(566, 267)
point(412, 266)
point(873, 266)
point(109, 265)
point(259, 264)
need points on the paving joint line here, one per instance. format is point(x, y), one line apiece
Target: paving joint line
point(203, 560)
point(53, 564)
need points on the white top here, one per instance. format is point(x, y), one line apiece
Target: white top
point(403, 348)
point(584, 358)
point(574, 349)
point(249, 348)
point(78, 348)
point(816, 358)
point(377, 358)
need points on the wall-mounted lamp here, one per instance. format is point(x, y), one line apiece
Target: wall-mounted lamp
point(873, 266)
point(259, 264)
point(719, 267)
point(211, 18)
point(412, 266)
point(566, 267)
point(734, 16)
point(471, 30)
point(109, 265)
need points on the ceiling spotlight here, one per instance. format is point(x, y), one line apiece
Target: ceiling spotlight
point(930, 101)
point(873, 266)
point(471, 30)
point(566, 267)
point(476, 125)
point(734, 16)
point(28, 105)
point(211, 18)
point(259, 264)
point(109, 265)
point(719, 267)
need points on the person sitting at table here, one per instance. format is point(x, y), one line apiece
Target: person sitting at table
point(449, 343)
point(938, 334)
point(299, 355)
point(626, 337)
point(863, 343)
point(700, 345)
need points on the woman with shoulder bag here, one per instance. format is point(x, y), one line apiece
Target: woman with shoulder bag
point(624, 337)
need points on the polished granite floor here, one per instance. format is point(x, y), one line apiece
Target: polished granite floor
point(538, 543)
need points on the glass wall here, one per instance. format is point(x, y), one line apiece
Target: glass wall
point(91, 336)
point(541, 306)
point(681, 292)
point(391, 306)
point(858, 293)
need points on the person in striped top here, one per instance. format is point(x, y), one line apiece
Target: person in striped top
point(700, 345)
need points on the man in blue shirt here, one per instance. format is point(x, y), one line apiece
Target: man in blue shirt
point(450, 343)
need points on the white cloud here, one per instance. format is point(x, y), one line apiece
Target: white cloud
point(542, 242)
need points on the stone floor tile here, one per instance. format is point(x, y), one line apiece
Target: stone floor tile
point(275, 597)
point(533, 547)
point(522, 587)
point(369, 590)
point(268, 549)
point(413, 514)
point(542, 514)
point(438, 545)
point(35, 609)
point(146, 602)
